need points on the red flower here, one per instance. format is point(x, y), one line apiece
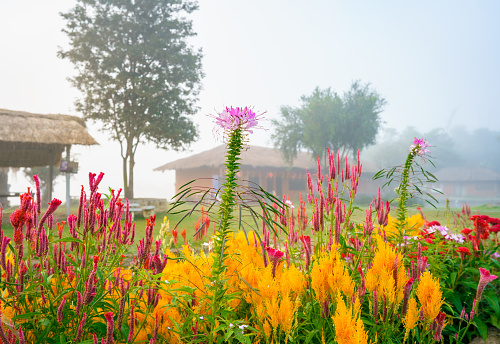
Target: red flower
point(433, 223)
point(183, 233)
point(175, 235)
point(428, 240)
point(495, 228)
point(466, 231)
point(463, 251)
point(18, 218)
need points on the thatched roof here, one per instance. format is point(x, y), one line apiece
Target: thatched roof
point(255, 156)
point(455, 174)
point(28, 139)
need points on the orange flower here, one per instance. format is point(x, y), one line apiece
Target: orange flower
point(183, 233)
point(175, 235)
point(430, 296)
point(349, 329)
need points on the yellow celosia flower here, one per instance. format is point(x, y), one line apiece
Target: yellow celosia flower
point(329, 276)
point(412, 315)
point(349, 329)
point(286, 314)
point(381, 275)
point(430, 296)
point(414, 224)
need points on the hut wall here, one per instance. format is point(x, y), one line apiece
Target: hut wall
point(203, 178)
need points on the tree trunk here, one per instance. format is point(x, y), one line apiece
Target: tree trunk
point(125, 178)
point(131, 163)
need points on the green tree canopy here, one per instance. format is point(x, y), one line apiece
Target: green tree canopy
point(346, 123)
point(138, 75)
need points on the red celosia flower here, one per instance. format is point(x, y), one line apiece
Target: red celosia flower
point(494, 221)
point(433, 223)
point(463, 251)
point(466, 231)
point(495, 228)
point(428, 240)
point(18, 236)
point(183, 233)
point(175, 235)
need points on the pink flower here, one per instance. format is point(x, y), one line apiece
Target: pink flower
point(485, 278)
point(234, 118)
point(274, 257)
point(60, 311)
point(419, 147)
point(109, 328)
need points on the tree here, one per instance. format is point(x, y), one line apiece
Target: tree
point(392, 148)
point(136, 71)
point(325, 119)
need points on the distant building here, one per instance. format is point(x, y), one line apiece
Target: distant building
point(259, 165)
point(472, 185)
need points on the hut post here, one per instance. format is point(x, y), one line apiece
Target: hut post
point(51, 171)
point(68, 198)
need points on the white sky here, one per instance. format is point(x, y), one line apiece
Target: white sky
point(435, 62)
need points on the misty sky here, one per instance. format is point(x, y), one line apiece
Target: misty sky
point(435, 62)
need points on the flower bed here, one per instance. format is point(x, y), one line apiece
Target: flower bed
point(275, 276)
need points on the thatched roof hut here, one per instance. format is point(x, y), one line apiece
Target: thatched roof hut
point(255, 156)
point(28, 140)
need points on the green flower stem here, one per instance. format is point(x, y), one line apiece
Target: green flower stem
point(404, 195)
point(221, 237)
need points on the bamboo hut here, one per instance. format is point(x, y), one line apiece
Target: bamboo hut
point(29, 140)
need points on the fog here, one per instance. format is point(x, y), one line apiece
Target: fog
point(436, 64)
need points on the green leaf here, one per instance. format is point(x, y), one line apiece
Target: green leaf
point(493, 302)
point(26, 315)
point(310, 336)
point(68, 239)
point(481, 326)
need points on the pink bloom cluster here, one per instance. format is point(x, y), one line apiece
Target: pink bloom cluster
point(234, 118)
point(420, 147)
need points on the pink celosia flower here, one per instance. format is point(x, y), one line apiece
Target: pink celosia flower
point(132, 323)
point(274, 257)
point(440, 325)
point(60, 311)
point(110, 326)
point(80, 327)
point(420, 146)
point(485, 278)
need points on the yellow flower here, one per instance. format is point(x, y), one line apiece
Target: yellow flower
point(430, 296)
point(286, 314)
point(349, 329)
point(411, 317)
point(414, 224)
point(383, 271)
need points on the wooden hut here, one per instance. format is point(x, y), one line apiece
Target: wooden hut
point(473, 185)
point(29, 140)
point(259, 165)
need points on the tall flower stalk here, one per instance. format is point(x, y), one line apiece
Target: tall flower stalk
point(408, 183)
point(235, 124)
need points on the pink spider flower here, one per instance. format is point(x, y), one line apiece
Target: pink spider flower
point(231, 119)
point(420, 146)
